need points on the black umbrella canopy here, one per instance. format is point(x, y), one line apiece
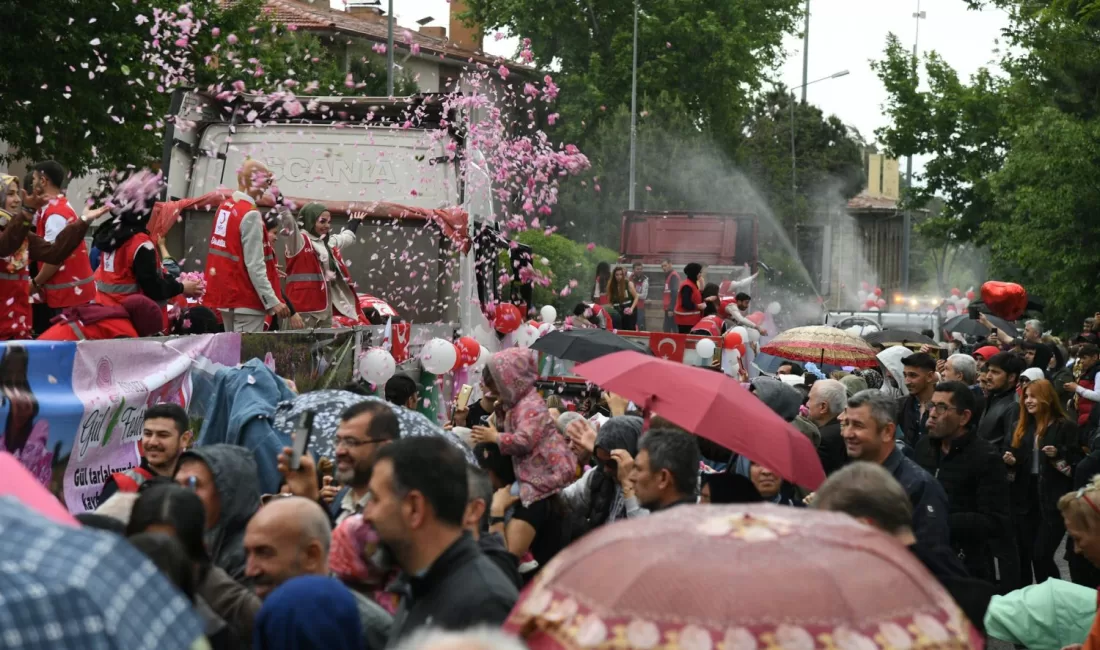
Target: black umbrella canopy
point(899, 337)
point(585, 344)
point(965, 325)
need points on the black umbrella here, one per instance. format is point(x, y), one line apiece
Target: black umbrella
point(582, 345)
point(899, 337)
point(964, 324)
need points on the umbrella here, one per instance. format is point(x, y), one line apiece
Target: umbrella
point(822, 344)
point(584, 344)
point(899, 337)
point(20, 483)
point(738, 577)
point(963, 324)
point(711, 405)
point(66, 587)
point(327, 405)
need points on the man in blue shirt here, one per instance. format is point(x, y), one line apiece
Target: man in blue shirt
point(868, 428)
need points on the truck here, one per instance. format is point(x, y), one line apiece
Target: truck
point(367, 154)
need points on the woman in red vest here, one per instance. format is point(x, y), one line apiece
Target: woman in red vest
point(711, 324)
point(130, 263)
point(690, 302)
point(318, 283)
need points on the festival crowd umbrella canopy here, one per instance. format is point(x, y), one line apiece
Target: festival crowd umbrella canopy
point(738, 577)
point(711, 405)
point(582, 345)
point(822, 344)
point(963, 324)
point(899, 337)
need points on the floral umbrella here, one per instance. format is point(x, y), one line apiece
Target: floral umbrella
point(738, 578)
point(822, 344)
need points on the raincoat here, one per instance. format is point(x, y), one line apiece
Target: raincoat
point(1047, 616)
point(234, 472)
point(543, 461)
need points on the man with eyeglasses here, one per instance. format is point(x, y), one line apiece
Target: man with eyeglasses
point(973, 475)
point(364, 428)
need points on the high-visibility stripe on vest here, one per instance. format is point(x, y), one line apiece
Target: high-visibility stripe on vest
point(72, 285)
point(688, 317)
point(711, 325)
point(306, 287)
point(115, 278)
point(228, 285)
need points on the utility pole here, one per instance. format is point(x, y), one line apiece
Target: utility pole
point(389, 52)
point(806, 52)
point(633, 113)
point(907, 216)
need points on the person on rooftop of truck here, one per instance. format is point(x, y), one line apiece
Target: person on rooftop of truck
point(318, 282)
point(690, 302)
point(603, 276)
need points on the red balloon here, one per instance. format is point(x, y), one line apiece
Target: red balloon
point(1005, 299)
point(508, 318)
point(468, 351)
point(956, 293)
point(870, 303)
point(878, 291)
point(880, 303)
point(741, 350)
point(757, 318)
point(730, 340)
point(969, 295)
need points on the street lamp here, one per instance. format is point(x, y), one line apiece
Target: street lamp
point(633, 112)
point(794, 159)
point(907, 216)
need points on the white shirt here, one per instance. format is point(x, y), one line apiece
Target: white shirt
point(54, 225)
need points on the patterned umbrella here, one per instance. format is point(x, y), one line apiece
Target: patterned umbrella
point(65, 587)
point(738, 578)
point(822, 344)
point(327, 405)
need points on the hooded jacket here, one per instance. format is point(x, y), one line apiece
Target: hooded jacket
point(234, 472)
point(543, 462)
point(890, 358)
point(597, 497)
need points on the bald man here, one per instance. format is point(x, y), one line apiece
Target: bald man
point(290, 537)
point(237, 282)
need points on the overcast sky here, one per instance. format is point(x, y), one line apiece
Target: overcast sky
point(844, 35)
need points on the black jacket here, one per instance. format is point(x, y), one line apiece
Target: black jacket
point(927, 496)
point(492, 545)
point(911, 420)
point(831, 451)
point(998, 421)
point(974, 477)
point(1053, 481)
point(461, 589)
point(971, 594)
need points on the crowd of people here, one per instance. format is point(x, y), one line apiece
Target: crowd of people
point(978, 464)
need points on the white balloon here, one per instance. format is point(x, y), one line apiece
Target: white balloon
point(438, 356)
point(742, 332)
point(546, 328)
point(951, 312)
point(526, 335)
point(875, 308)
point(548, 314)
point(854, 330)
point(870, 329)
point(377, 366)
point(773, 308)
point(485, 337)
point(482, 359)
point(862, 295)
point(705, 349)
point(754, 336)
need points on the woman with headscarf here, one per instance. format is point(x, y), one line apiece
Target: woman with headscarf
point(690, 302)
point(130, 262)
point(318, 282)
point(18, 247)
point(309, 613)
point(598, 497)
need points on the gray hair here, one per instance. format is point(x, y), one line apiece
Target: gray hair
point(479, 486)
point(883, 407)
point(867, 490)
point(567, 418)
point(1034, 324)
point(965, 365)
point(478, 638)
point(833, 393)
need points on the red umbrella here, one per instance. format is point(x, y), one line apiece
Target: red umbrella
point(711, 405)
point(738, 578)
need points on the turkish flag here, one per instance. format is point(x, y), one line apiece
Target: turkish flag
point(400, 343)
point(668, 346)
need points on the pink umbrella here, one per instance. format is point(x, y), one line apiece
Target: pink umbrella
point(18, 482)
point(711, 405)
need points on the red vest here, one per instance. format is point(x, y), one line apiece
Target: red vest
point(115, 279)
point(15, 303)
point(110, 328)
point(596, 311)
point(72, 284)
point(712, 325)
point(131, 479)
point(306, 287)
point(669, 299)
point(723, 303)
point(228, 285)
point(688, 317)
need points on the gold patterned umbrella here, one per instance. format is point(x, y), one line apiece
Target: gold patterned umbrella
point(822, 344)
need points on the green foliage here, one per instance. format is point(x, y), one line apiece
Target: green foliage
point(91, 96)
point(1014, 156)
point(563, 261)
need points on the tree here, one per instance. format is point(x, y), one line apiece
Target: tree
point(97, 88)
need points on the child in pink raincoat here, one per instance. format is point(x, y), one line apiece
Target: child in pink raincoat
point(541, 456)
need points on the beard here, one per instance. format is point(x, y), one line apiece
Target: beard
point(357, 475)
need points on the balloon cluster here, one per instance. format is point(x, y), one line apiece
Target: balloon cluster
point(870, 298)
point(957, 302)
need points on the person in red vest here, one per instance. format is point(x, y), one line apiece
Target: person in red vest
point(58, 285)
point(690, 302)
point(593, 314)
point(318, 283)
point(19, 247)
point(672, 288)
point(130, 262)
point(711, 324)
point(165, 435)
point(274, 275)
point(138, 316)
point(237, 283)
